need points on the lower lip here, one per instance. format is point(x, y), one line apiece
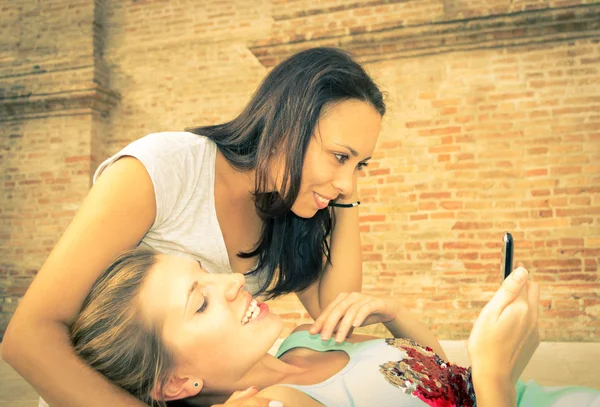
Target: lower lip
point(320, 204)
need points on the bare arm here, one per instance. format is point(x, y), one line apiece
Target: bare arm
point(344, 274)
point(115, 216)
point(357, 309)
point(494, 393)
point(406, 325)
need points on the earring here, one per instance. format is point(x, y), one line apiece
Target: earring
point(273, 151)
point(196, 384)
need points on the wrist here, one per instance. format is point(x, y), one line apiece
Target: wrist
point(490, 390)
point(492, 385)
point(392, 323)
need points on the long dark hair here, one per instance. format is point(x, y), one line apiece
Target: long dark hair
point(282, 116)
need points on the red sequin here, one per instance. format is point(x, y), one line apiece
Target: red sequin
point(425, 375)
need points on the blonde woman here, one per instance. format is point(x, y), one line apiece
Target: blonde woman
point(164, 329)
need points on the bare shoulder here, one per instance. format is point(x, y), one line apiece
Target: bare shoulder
point(289, 396)
point(354, 338)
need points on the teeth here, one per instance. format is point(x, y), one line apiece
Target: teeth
point(321, 199)
point(251, 313)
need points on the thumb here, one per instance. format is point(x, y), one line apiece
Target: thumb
point(509, 290)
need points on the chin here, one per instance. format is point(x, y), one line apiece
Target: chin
point(268, 336)
point(305, 212)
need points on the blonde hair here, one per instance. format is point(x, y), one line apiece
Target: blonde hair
point(111, 335)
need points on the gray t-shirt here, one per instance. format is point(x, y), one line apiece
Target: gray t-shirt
point(182, 168)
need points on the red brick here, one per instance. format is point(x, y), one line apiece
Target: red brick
point(501, 138)
point(381, 171)
point(442, 131)
point(372, 218)
point(427, 206)
point(434, 195)
point(75, 159)
point(537, 172)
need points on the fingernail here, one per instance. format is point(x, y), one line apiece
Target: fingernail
point(252, 388)
point(275, 403)
point(519, 274)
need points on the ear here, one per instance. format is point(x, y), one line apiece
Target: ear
point(178, 388)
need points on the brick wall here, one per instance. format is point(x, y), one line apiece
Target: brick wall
point(493, 125)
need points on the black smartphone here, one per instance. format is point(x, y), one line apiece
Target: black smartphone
point(507, 255)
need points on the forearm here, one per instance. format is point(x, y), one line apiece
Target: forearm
point(344, 274)
point(46, 360)
point(406, 325)
point(493, 392)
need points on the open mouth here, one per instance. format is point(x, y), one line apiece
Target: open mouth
point(251, 312)
point(321, 201)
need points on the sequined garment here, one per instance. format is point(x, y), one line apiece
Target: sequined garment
point(425, 375)
point(401, 373)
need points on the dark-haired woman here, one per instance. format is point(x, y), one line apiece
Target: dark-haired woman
point(270, 194)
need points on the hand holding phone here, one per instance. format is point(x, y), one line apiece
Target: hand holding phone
point(507, 255)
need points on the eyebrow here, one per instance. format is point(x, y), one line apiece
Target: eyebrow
point(189, 294)
point(353, 151)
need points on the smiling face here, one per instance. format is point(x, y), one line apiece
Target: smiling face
point(202, 318)
point(343, 142)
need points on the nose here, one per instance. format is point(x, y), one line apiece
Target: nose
point(233, 285)
point(344, 182)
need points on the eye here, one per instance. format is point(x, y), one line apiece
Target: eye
point(341, 158)
point(203, 306)
point(361, 166)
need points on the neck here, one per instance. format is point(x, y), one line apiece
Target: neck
point(239, 184)
point(266, 372)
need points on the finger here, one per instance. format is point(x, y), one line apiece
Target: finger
point(253, 402)
point(362, 315)
point(240, 394)
point(336, 315)
point(533, 297)
point(346, 323)
point(333, 322)
point(320, 321)
point(317, 326)
point(508, 291)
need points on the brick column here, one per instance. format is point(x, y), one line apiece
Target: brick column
point(55, 98)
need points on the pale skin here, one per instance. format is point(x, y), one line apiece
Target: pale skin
point(37, 342)
point(204, 327)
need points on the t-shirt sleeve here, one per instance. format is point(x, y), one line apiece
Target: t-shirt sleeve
point(174, 162)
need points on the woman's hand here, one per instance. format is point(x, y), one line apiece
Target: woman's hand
point(248, 398)
point(351, 310)
point(506, 335)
